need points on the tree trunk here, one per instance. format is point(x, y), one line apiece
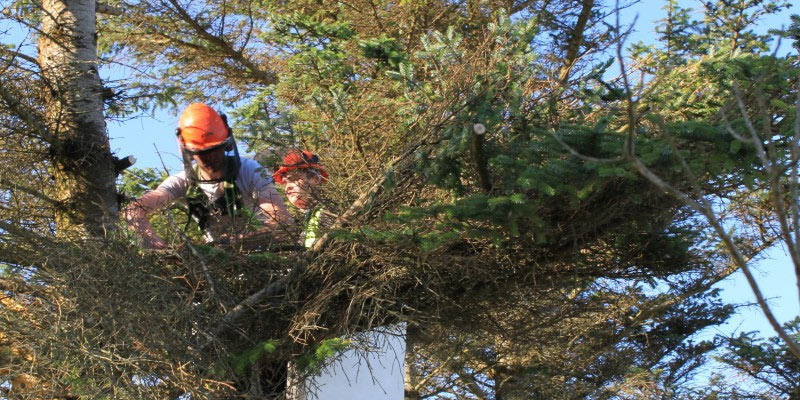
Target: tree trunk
point(82, 160)
point(411, 375)
point(575, 40)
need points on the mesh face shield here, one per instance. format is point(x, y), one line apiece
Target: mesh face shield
point(232, 160)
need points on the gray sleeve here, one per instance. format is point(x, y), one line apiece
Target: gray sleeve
point(255, 179)
point(176, 185)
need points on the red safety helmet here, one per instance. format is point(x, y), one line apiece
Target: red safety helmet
point(201, 128)
point(299, 160)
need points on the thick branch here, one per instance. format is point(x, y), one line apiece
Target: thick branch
point(16, 54)
point(575, 41)
point(265, 77)
point(272, 289)
point(33, 192)
point(479, 158)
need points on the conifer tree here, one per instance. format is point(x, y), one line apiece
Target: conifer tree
point(64, 117)
point(476, 167)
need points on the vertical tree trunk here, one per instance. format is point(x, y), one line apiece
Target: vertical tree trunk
point(82, 160)
point(411, 375)
point(575, 40)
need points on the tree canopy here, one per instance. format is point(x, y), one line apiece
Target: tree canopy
point(487, 174)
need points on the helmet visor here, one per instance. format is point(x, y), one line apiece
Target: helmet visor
point(211, 149)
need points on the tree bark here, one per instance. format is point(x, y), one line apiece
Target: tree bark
point(82, 162)
point(575, 40)
point(411, 375)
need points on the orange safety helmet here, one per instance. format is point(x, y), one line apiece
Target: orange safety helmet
point(299, 160)
point(201, 128)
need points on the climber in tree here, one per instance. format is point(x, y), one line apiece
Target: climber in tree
point(300, 173)
point(228, 196)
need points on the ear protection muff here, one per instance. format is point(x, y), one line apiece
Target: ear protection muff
point(231, 143)
point(230, 146)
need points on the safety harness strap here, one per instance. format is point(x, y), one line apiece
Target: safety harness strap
point(201, 208)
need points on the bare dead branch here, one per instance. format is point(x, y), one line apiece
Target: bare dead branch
point(730, 129)
point(754, 137)
point(774, 172)
point(33, 192)
point(33, 121)
point(273, 289)
point(16, 54)
point(265, 77)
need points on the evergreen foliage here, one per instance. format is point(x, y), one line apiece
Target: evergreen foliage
point(477, 158)
point(760, 368)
